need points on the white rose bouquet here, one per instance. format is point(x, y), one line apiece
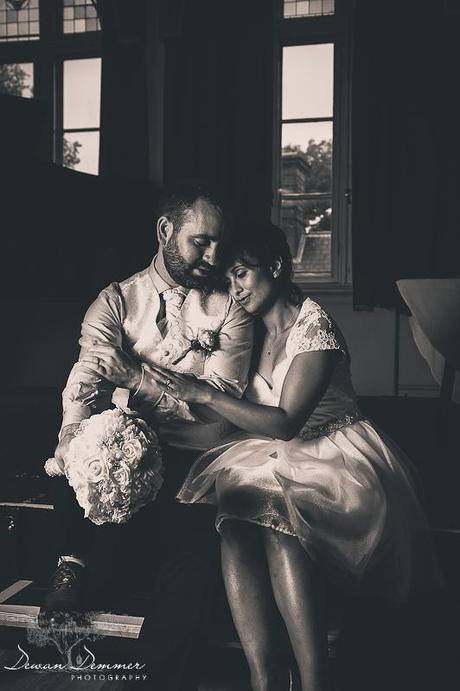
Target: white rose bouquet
point(114, 464)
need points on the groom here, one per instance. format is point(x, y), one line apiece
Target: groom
point(158, 316)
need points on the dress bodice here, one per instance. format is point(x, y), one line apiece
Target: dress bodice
point(313, 330)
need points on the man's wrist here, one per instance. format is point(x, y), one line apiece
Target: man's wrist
point(147, 389)
point(210, 395)
point(68, 432)
point(137, 380)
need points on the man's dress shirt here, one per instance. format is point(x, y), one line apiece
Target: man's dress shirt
point(125, 315)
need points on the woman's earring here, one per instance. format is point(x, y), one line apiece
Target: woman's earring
point(277, 270)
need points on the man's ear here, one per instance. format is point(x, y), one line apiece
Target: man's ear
point(276, 267)
point(164, 230)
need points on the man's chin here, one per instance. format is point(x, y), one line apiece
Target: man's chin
point(193, 281)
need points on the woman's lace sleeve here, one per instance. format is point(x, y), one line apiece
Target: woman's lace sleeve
point(315, 330)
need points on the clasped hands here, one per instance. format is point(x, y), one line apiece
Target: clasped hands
point(117, 367)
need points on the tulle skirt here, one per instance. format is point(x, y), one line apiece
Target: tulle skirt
point(350, 497)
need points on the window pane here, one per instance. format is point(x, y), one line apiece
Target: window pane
point(81, 151)
point(306, 157)
point(17, 79)
point(80, 16)
point(307, 224)
point(307, 8)
point(20, 24)
point(308, 81)
point(82, 93)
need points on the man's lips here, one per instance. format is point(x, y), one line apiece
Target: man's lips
point(203, 269)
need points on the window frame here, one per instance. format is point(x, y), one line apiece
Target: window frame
point(335, 29)
point(48, 53)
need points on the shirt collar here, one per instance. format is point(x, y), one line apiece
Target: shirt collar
point(160, 284)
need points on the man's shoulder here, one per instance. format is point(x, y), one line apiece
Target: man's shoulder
point(209, 302)
point(138, 279)
point(126, 294)
point(216, 305)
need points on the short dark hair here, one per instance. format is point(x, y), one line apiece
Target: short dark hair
point(176, 200)
point(261, 243)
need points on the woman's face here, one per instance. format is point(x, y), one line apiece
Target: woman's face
point(252, 286)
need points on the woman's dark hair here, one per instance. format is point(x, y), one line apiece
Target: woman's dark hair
point(262, 244)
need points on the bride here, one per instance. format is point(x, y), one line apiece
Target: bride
point(308, 490)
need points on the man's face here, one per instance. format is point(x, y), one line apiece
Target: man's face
point(190, 254)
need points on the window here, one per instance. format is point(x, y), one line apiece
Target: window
point(311, 168)
point(308, 8)
point(19, 21)
point(79, 133)
point(80, 16)
point(51, 49)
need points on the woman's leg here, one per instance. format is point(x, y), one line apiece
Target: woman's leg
point(298, 595)
point(250, 595)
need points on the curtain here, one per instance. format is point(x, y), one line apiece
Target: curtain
point(219, 97)
point(124, 100)
point(405, 148)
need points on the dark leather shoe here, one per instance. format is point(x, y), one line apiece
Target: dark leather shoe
point(66, 592)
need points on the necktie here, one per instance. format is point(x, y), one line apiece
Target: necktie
point(173, 300)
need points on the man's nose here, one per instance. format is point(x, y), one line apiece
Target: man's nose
point(210, 256)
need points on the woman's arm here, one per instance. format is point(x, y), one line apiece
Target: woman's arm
point(306, 381)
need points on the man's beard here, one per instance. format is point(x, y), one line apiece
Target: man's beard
point(180, 270)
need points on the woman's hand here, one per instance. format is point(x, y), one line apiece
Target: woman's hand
point(181, 386)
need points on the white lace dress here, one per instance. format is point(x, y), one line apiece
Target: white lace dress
point(346, 492)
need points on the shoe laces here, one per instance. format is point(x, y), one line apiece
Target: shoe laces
point(65, 577)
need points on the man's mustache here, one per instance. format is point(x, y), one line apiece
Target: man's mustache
point(204, 266)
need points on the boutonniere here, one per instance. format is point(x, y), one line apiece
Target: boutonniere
point(205, 340)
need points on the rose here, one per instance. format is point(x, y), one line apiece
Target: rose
point(52, 469)
point(143, 487)
point(122, 476)
point(75, 475)
point(207, 339)
point(95, 469)
point(132, 451)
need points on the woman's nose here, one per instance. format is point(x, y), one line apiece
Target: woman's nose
point(235, 289)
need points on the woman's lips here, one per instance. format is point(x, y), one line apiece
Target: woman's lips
point(245, 300)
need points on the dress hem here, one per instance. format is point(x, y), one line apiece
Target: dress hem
point(261, 523)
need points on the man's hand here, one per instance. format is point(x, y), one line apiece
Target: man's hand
point(113, 364)
point(61, 449)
